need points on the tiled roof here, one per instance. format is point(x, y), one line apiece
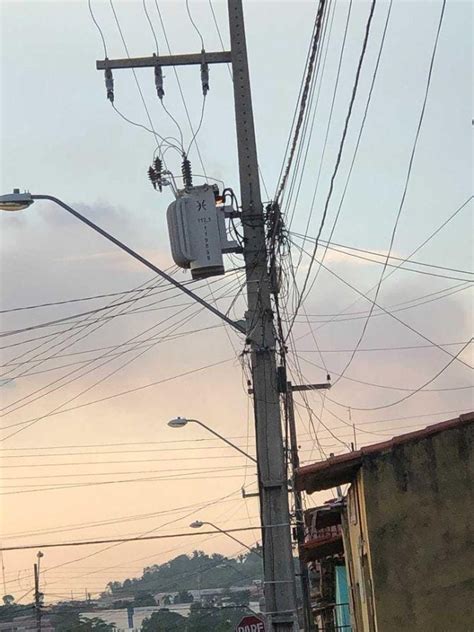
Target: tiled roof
point(341, 469)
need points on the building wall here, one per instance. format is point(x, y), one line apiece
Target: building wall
point(419, 508)
point(357, 552)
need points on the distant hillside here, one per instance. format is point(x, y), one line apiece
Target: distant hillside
point(191, 572)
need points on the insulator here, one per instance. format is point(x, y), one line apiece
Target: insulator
point(158, 165)
point(152, 176)
point(159, 82)
point(187, 173)
point(205, 77)
point(109, 84)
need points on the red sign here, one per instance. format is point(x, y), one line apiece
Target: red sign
point(251, 623)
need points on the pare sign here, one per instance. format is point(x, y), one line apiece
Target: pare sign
point(251, 624)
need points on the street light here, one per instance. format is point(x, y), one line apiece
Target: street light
point(197, 524)
point(17, 201)
point(180, 422)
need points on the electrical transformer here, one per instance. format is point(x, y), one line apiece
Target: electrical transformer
point(197, 232)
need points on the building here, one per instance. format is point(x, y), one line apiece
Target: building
point(323, 551)
point(27, 623)
point(407, 528)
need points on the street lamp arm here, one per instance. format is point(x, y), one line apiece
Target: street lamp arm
point(139, 257)
point(196, 421)
point(246, 546)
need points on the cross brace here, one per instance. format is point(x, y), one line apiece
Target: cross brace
point(166, 60)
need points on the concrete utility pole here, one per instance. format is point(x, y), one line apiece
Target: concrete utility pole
point(279, 577)
point(38, 595)
point(308, 619)
point(280, 593)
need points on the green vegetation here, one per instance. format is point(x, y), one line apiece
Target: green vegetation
point(67, 619)
point(201, 619)
point(191, 572)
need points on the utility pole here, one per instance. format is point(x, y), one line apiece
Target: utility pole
point(38, 595)
point(308, 619)
point(279, 577)
point(279, 582)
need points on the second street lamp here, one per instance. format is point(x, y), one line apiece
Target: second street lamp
point(180, 422)
point(197, 524)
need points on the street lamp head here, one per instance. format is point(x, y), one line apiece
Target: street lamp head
point(15, 201)
point(178, 422)
point(197, 524)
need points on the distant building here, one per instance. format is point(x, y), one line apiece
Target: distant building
point(406, 529)
point(27, 623)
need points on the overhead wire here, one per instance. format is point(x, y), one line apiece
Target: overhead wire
point(421, 387)
point(342, 248)
point(389, 313)
point(90, 387)
point(329, 121)
point(194, 25)
point(405, 189)
point(356, 148)
point(339, 155)
point(152, 28)
point(304, 97)
point(29, 422)
point(389, 386)
point(98, 28)
point(183, 100)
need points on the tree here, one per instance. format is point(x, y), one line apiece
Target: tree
point(164, 621)
point(239, 597)
point(68, 619)
point(143, 598)
point(215, 619)
point(183, 597)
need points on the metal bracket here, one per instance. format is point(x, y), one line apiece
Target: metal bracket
point(251, 495)
point(273, 484)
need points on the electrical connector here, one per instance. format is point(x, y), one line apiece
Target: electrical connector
point(159, 82)
point(204, 75)
point(109, 84)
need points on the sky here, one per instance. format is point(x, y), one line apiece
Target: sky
point(96, 421)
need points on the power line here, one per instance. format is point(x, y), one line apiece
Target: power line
point(98, 28)
point(183, 100)
point(342, 248)
point(195, 25)
point(120, 540)
point(415, 391)
point(418, 302)
point(29, 422)
point(108, 358)
point(361, 129)
point(42, 488)
point(374, 349)
point(391, 387)
point(405, 190)
point(339, 156)
point(389, 313)
point(151, 27)
point(304, 96)
point(417, 249)
point(187, 471)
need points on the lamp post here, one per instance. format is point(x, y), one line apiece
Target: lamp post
point(197, 524)
point(180, 422)
point(17, 201)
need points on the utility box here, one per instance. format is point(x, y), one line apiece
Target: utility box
point(197, 232)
